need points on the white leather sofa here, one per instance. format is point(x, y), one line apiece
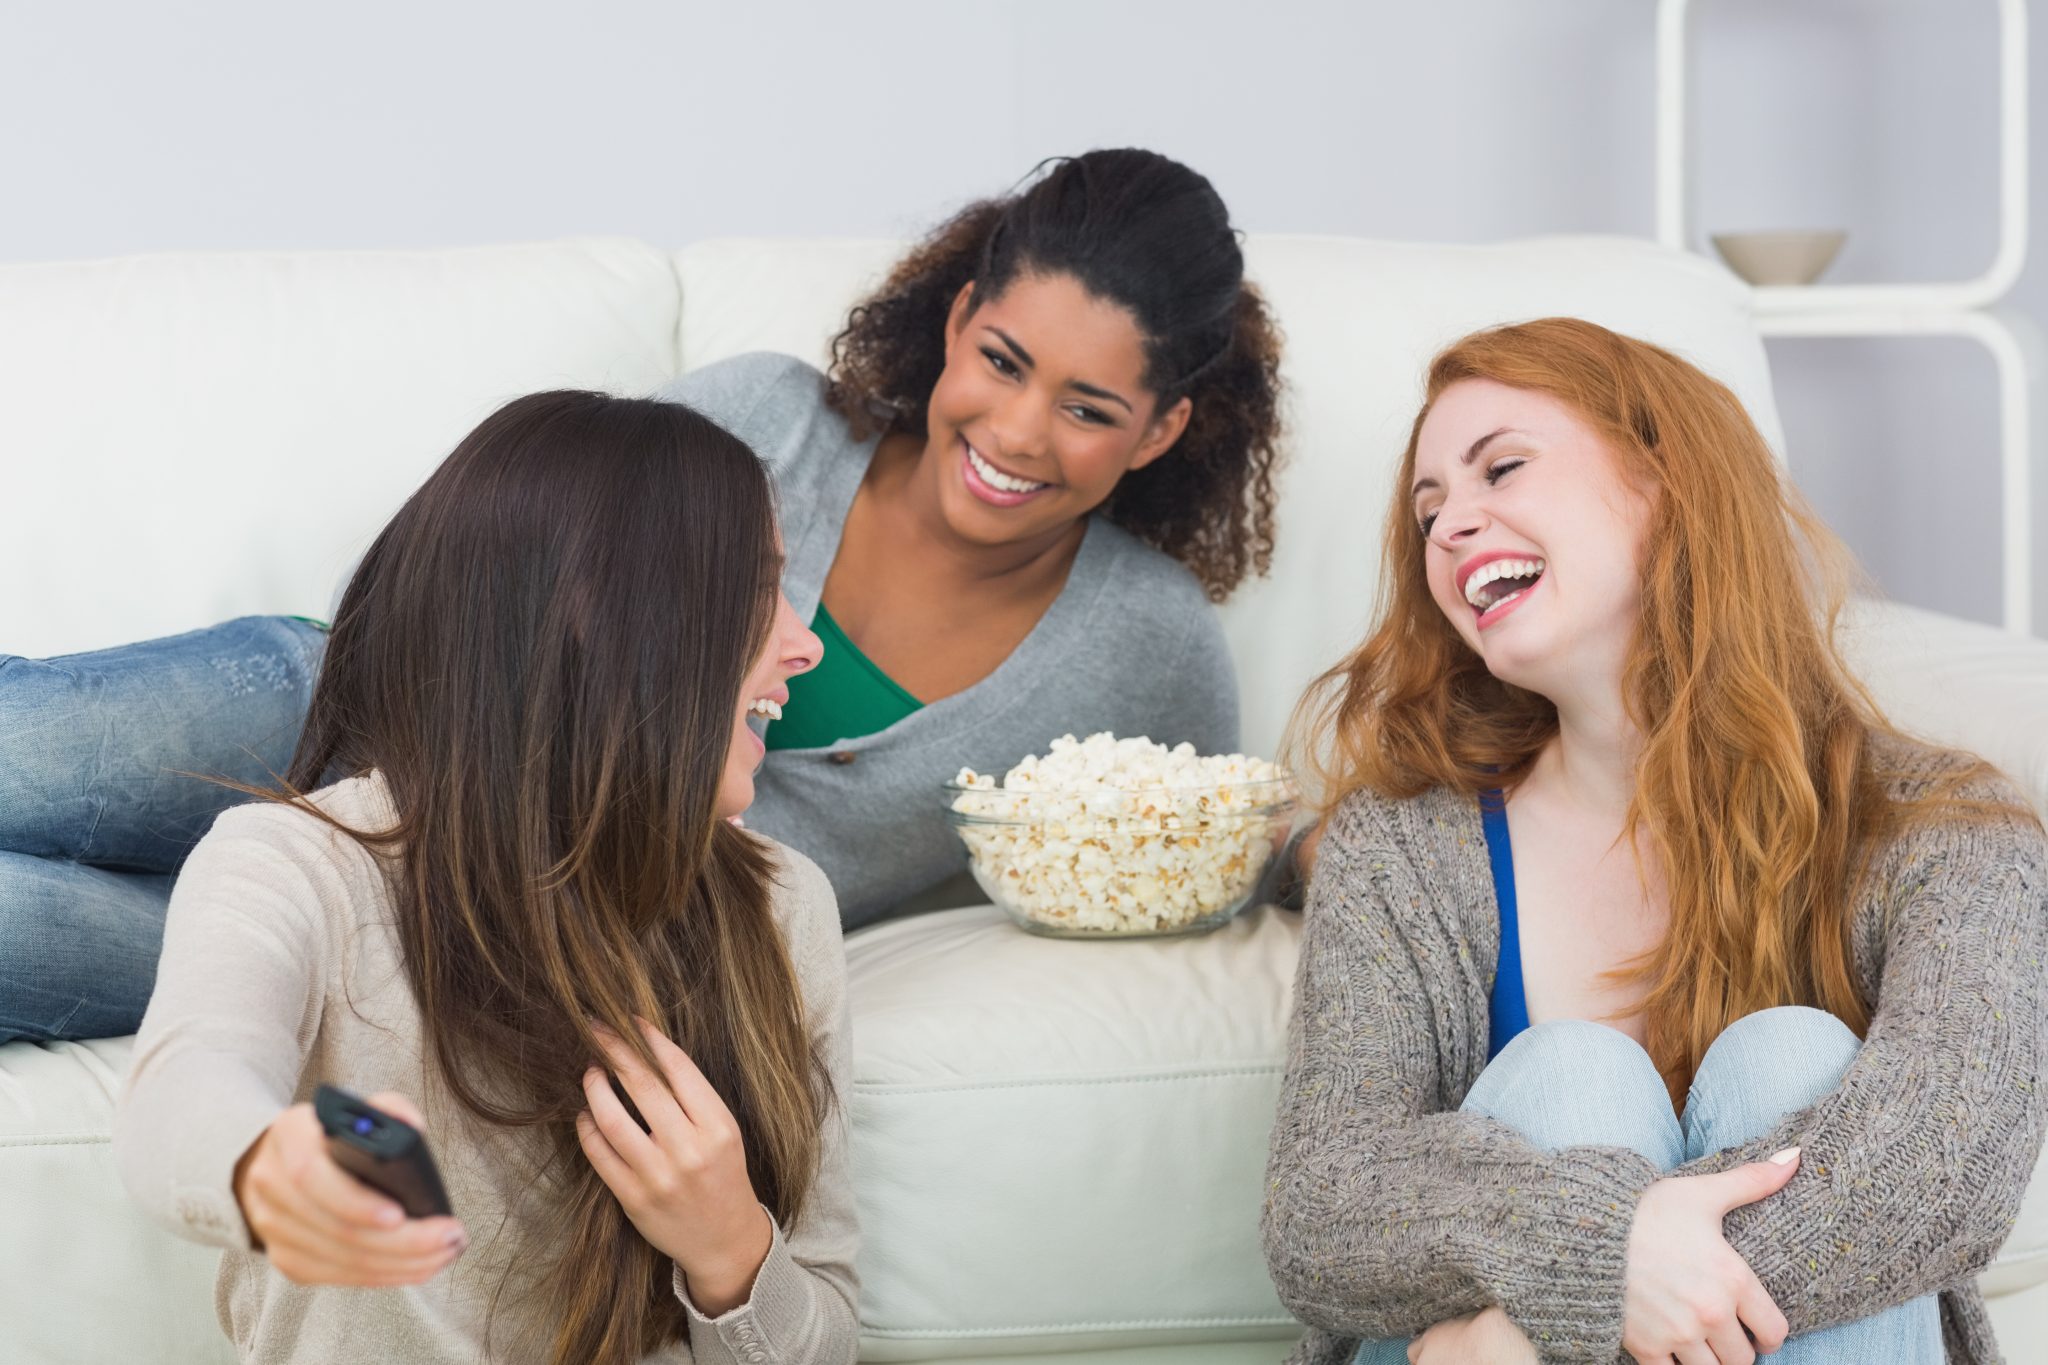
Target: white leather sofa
point(1058, 1145)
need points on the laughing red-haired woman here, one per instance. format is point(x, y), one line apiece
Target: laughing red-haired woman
point(1657, 995)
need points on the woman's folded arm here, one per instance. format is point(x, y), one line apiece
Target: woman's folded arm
point(1386, 1212)
point(1912, 1169)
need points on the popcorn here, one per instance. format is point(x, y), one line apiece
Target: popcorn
point(1122, 836)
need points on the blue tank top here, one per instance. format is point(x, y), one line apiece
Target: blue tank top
point(1507, 1008)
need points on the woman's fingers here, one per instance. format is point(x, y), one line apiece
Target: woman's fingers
point(1746, 1184)
point(628, 1139)
point(309, 1220)
point(1694, 1353)
point(301, 1176)
point(298, 1233)
point(303, 1166)
point(701, 1103)
point(1729, 1343)
point(313, 1258)
point(649, 1091)
point(345, 1201)
point(312, 1188)
point(1760, 1314)
point(611, 1168)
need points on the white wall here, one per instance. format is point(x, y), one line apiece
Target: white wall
point(141, 127)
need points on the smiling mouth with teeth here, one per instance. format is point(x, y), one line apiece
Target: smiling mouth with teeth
point(996, 478)
point(1502, 581)
point(765, 708)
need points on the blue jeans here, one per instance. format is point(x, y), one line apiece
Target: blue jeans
point(1568, 1083)
point(104, 761)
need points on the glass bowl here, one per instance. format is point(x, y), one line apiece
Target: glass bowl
point(1111, 862)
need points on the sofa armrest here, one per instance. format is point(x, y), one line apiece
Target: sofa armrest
point(1985, 690)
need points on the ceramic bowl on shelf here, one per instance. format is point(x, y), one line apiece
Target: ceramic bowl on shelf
point(1780, 257)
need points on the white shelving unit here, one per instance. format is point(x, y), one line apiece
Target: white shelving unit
point(1962, 309)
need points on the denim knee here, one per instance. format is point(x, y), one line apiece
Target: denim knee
point(1571, 1083)
point(104, 757)
point(78, 948)
point(1763, 1067)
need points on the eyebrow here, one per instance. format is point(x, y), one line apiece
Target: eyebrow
point(1471, 454)
point(1092, 390)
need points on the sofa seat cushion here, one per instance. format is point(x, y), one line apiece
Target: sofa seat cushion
point(1061, 1145)
point(84, 1277)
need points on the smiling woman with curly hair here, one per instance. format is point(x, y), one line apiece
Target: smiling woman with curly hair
point(1206, 340)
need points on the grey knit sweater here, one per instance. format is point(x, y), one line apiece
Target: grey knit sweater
point(1387, 1211)
point(1130, 645)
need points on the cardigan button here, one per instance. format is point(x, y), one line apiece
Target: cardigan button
point(841, 756)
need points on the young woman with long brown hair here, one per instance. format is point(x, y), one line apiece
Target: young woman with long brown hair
point(1657, 996)
point(1045, 446)
point(503, 875)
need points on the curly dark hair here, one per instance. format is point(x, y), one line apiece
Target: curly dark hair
point(1144, 232)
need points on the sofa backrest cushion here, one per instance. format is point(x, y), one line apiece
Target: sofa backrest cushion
point(192, 437)
point(1362, 319)
point(188, 438)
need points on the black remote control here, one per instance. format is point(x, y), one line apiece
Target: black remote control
point(386, 1153)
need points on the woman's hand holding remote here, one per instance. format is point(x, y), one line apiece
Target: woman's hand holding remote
point(320, 1225)
point(683, 1179)
point(1688, 1294)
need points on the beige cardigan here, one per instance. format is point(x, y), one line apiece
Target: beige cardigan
point(281, 969)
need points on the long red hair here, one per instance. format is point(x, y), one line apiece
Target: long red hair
point(1755, 786)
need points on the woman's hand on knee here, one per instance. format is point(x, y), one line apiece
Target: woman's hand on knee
point(320, 1225)
point(1488, 1337)
point(1688, 1294)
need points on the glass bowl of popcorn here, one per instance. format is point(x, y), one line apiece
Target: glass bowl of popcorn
point(1122, 838)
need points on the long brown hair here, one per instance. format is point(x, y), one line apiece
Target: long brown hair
point(1148, 234)
point(542, 656)
point(1756, 784)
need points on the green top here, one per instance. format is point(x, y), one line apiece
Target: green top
point(844, 697)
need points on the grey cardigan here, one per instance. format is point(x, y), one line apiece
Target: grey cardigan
point(1387, 1211)
point(1130, 645)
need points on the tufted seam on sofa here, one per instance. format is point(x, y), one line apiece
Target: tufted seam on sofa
point(56, 1140)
